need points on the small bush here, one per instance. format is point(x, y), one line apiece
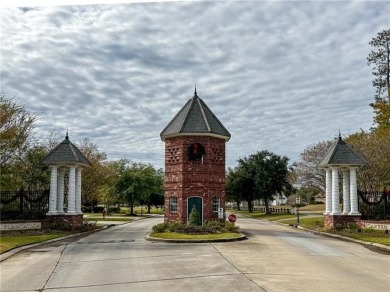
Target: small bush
point(161, 227)
point(114, 210)
point(172, 226)
point(207, 228)
point(353, 226)
point(98, 209)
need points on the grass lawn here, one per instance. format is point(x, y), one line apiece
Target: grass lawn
point(108, 218)
point(314, 207)
point(269, 217)
point(175, 235)
point(376, 236)
point(366, 234)
point(13, 239)
point(138, 210)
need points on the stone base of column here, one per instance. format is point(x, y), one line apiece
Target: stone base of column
point(65, 221)
point(340, 221)
point(354, 214)
point(52, 213)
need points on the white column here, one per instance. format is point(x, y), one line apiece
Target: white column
point(53, 191)
point(335, 191)
point(328, 191)
point(353, 192)
point(72, 191)
point(61, 187)
point(78, 190)
point(346, 194)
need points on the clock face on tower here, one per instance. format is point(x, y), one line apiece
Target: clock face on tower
point(195, 152)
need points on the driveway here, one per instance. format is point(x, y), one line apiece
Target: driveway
point(274, 258)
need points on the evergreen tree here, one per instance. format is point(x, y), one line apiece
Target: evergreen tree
point(194, 219)
point(379, 57)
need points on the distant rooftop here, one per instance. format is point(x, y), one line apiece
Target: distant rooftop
point(341, 154)
point(65, 153)
point(195, 118)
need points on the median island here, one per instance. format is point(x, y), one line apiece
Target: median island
point(212, 231)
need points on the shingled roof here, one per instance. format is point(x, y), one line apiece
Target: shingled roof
point(195, 118)
point(66, 153)
point(341, 154)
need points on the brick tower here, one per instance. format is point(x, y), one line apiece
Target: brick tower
point(194, 162)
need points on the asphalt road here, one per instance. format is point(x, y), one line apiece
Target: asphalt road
point(274, 258)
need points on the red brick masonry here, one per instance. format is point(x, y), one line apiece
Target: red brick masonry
point(185, 178)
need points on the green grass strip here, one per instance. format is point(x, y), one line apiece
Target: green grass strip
point(125, 219)
point(10, 242)
point(269, 217)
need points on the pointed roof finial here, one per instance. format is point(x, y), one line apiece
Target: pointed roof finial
point(195, 93)
point(339, 134)
point(67, 135)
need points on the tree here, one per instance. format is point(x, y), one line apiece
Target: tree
point(137, 182)
point(94, 177)
point(259, 176)
point(35, 174)
point(375, 147)
point(309, 176)
point(308, 194)
point(379, 57)
point(194, 218)
point(233, 193)
point(270, 174)
point(154, 181)
point(240, 186)
point(16, 129)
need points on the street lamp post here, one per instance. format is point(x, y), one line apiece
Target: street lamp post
point(297, 202)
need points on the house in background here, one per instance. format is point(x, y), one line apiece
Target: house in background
point(277, 199)
point(319, 198)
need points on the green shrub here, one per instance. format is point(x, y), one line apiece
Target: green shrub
point(194, 219)
point(353, 226)
point(231, 227)
point(159, 228)
point(172, 226)
point(207, 228)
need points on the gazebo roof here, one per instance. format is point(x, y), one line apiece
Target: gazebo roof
point(341, 154)
point(66, 153)
point(195, 118)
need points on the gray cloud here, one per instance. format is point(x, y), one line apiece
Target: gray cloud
point(279, 75)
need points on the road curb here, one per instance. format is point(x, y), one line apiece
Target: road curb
point(340, 237)
point(379, 246)
point(345, 238)
point(16, 250)
point(151, 238)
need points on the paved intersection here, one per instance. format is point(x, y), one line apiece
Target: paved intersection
point(274, 258)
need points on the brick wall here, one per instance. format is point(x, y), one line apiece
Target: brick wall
point(340, 221)
point(185, 178)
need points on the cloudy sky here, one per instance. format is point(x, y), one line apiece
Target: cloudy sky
point(280, 75)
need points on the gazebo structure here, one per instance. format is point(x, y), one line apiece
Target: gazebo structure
point(194, 163)
point(65, 157)
point(341, 158)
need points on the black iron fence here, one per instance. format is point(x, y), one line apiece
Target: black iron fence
point(374, 205)
point(15, 205)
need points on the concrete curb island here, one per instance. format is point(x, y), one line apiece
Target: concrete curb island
point(151, 238)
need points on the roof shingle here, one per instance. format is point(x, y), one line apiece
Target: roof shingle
point(341, 154)
point(195, 117)
point(66, 153)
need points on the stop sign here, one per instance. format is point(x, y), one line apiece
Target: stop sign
point(232, 218)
